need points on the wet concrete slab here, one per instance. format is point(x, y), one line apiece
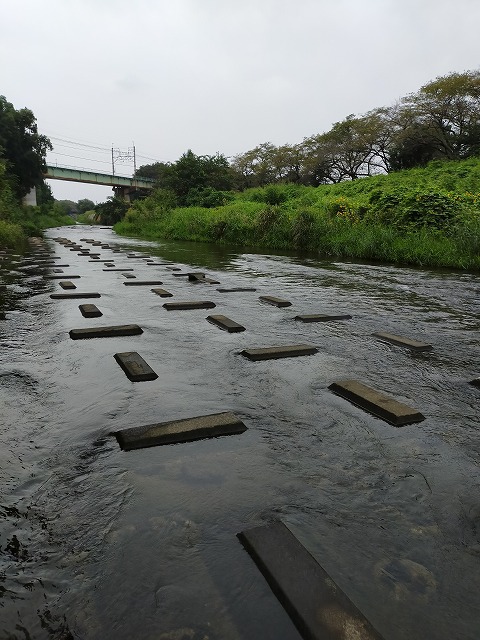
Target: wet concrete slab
point(225, 323)
point(72, 277)
point(90, 311)
point(276, 302)
point(377, 403)
point(321, 317)
point(198, 276)
point(285, 351)
point(192, 304)
point(65, 284)
point(317, 606)
point(414, 345)
point(142, 283)
point(235, 289)
point(57, 270)
point(73, 296)
point(176, 431)
point(119, 269)
point(128, 275)
point(163, 293)
point(135, 367)
point(475, 382)
point(106, 332)
point(174, 268)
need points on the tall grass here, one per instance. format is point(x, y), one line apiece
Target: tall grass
point(424, 217)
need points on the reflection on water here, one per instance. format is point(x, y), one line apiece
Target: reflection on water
point(101, 544)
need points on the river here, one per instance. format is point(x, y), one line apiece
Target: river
point(101, 544)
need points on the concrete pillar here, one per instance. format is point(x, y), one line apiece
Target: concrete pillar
point(31, 198)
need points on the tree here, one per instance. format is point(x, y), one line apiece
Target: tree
point(23, 148)
point(85, 205)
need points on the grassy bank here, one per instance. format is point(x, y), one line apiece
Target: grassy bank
point(423, 217)
point(18, 222)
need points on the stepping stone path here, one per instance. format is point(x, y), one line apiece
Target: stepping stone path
point(90, 311)
point(377, 403)
point(272, 353)
point(200, 304)
point(198, 428)
point(319, 317)
point(403, 342)
point(317, 606)
point(226, 324)
point(135, 367)
point(276, 302)
point(106, 332)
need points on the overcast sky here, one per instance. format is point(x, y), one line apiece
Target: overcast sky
point(216, 75)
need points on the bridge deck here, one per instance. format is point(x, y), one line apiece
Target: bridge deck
point(77, 175)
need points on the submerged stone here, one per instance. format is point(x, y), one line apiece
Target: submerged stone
point(317, 606)
point(175, 431)
point(377, 403)
point(276, 302)
point(403, 342)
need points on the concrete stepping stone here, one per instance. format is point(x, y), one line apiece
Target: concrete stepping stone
point(135, 367)
point(72, 296)
point(106, 332)
point(90, 311)
point(174, 269)
point(321, 317)
point(193, 304)
point(377, 403)
point(109, 264)
point(200, 277)
point(225, 323)
point(163, 293)
point(175, 431)
point(57, 270)
point(2, 315)
point(475, 382)
point(118, 269)
point(317, 606)
point(61, 265)
point(271, 353)
point(72, 277)
point(128, 275)
point(276, 302)
point(65, 284)
point(234, 289)
point(141, 283)
point(414, 345)
point(97, 260)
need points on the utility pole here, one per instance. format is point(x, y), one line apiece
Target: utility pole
point(124, 157)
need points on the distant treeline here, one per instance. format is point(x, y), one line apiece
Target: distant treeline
point(441, 121)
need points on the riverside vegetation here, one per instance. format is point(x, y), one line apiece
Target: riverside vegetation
point(428, 216)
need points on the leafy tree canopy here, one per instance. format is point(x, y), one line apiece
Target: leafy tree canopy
point(22, 147)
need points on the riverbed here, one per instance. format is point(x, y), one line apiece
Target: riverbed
point(102, 544)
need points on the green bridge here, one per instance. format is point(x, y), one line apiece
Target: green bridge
point(122, 185)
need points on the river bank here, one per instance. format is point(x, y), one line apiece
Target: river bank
point(423, 217)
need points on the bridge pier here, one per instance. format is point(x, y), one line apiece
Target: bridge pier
point(122, 192)
point(31, 198)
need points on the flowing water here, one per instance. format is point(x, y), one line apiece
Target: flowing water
point(100, 544)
